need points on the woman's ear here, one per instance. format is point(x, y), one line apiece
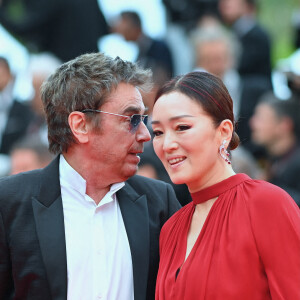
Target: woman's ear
point(225, 130)
point(78, 125)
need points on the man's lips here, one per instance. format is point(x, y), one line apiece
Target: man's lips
point(135, 156)
point(136, 152)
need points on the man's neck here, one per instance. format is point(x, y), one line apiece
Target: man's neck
point(96, 186)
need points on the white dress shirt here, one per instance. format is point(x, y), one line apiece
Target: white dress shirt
point(99, 260)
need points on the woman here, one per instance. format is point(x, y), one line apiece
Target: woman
point(239, 238)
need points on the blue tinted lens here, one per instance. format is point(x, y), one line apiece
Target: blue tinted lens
point(136, 120)
point(145, 120)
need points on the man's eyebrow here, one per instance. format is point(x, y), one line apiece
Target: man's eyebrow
point(174, 118)
point(133, 109)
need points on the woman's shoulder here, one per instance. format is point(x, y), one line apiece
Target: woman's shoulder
point(266, 200)
point(262, 192)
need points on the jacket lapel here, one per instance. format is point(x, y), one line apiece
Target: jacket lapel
point(134, 210)
point(48, 214)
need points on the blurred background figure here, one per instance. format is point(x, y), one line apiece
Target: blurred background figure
point(182, 18)
point(287, 75)
point(29, 154)
point(244, 162)
point(15, 116)
point(254, 65)
point(187, 13)
point(255, 58)
point(276, 126)
point(296, 25)
point(65, 28)
point(216, 51)
point(153, 53)
point(17, 56)
point(40, 67)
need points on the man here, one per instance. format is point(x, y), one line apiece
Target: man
point(254, 65)
point(215, 51)
point(28, 154)
point(15, 116)
point(256, 46)
point(153, 53)
point(276, 126)
point(40, 67)
point(82, 228)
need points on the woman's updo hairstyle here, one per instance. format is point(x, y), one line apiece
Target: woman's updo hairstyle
point(210, 92)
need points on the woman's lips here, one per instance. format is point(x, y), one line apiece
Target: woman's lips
point(174, 161)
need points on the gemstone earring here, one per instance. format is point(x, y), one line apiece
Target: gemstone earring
point(224, 153)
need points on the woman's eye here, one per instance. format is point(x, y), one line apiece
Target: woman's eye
point(157, 132)
point(183, 127)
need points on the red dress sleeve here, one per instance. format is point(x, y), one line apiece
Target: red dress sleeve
point(274, 217)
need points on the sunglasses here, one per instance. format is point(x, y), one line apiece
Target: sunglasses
point(134, 120)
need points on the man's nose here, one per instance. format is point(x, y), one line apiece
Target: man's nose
point(143, 134)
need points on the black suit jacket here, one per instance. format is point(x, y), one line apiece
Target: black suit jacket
point(33, 261)
point(256, 54)
point(16, 126)
point(157, 56)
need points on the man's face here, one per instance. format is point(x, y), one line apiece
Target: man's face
point(125, 28)
point(232, 10)
point(214, 57)
point(23, 160)
point(114, 148)
point(265, 126)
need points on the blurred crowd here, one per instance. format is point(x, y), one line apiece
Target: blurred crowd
point(223, 37)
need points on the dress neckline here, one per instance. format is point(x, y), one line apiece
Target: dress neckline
point(218, 188)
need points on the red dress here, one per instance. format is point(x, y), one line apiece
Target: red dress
point(248, 248)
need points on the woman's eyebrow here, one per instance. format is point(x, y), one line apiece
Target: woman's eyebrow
point(174, 118)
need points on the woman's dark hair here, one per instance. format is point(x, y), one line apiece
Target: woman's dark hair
point(210, 92)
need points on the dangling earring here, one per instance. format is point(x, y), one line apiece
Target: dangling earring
point(226, 154)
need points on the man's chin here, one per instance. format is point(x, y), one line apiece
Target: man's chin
point(129, 172)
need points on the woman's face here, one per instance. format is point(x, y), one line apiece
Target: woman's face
point(186, 140)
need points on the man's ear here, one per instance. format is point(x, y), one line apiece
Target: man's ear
point(226, 130)
point(78, 125)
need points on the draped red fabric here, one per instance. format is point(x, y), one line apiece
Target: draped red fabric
point(248, 248)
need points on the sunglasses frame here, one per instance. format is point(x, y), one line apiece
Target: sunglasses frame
point(142, 118)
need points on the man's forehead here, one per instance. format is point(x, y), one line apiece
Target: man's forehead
point(133, 108)
point(126, 100)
